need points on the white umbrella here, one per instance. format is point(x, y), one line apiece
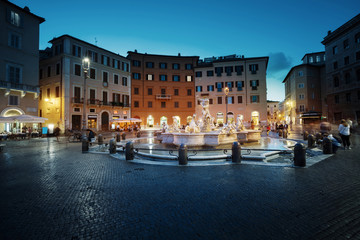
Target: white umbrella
point(6, 120)
point(28, 119)
point(127, 120)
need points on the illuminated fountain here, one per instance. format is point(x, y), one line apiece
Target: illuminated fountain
point(205, 133)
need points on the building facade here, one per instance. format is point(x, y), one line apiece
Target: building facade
point(62, 76)
point(162, 88)
point(19, 62)
point(245, 79)
point(303, 87)
point(273, 112)
point(342, 50)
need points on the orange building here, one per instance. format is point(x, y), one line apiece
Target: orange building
point(162, 88)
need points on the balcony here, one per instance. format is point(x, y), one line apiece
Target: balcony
point(163, 96)
point(92, 101)
point(120, 104)
point(77, 100)
point(19, 87)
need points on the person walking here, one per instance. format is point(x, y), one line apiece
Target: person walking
point(344, 131)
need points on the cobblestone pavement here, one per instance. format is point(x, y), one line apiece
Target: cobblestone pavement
point(50, 190)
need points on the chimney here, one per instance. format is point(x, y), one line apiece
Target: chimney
point(179, 54)
point(135, 51)
point(329, 32)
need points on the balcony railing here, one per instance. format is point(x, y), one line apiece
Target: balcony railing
point(92, 101)
point(120, 104)
point(19, 86)
point(163, 96)
point(77, 100)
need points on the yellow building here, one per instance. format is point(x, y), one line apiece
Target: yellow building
point(108, 82)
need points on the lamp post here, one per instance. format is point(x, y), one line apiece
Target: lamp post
point(226, 91)
point(86, 67)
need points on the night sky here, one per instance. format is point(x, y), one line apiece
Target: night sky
point(283, 30)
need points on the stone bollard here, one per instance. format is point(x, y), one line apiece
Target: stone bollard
point(299, 155)
point(236, 153)
point(112, 146)
point(118, 137)
point(327, 146)
point(129, 151)
point(85, 144)
point(100, 139)
point(183, 158)
point(305, 135)
point(311, 141)
point(123, 136)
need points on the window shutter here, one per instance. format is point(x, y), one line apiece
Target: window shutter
point(232, 100)
point(257, 82)
point(242, 83)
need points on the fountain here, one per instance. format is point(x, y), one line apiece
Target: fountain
point(205, 133)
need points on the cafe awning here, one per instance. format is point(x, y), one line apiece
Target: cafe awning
point(127, 120)
point(23, 119)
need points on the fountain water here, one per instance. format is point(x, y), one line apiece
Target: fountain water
point(205, 133)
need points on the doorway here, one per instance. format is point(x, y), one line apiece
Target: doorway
point(76, 122)
point(105, 121)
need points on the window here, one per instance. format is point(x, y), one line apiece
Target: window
point(253, 68)
point(136, 76)
point(346, 44)
point(149, 65)
point(211, 101)
point(77, 70)
point(150, 91)
point(335, 64)
point(347, 78)
point(13, 100)
point(346, 60)
point(210, 73)
point(230, 85)
point(176, 78)
point(198, 88)
point(163, 104)
point(189, 104)
point(313, 95)
point(219, 71)
point(301, 96)
point(336, 82)
point(301, 73)
point(149, 104)
point(136, 63)
point(189, 78)
point(176, 92)
point(254, 99)
point(125, 67)
point(188, 66)
point(335, 50)
point(254, 84)
point(229, 70)
point(230, 99)
point(136, 91)
point(163, 65)
point(93, 56)
point(136, 104)
point(14, 74)
point(149, 77)
point(92, 73)
point(239, 85)
point(176, 104)
point(163, 77)
point(105, 60)
point(14, 40)
point(219, 100)
point(124, 81)
point(58, 49)
point(198, 74)
point(163, 91)
point(57, 91)
point(15, 19)
point(301, 85)
point(318, 59)
point(219, 86)
point(239, 70)
point(311, 59)
point(210, 88)
point(176, 66)
point(302, 108)
point(105, 77)
point(189, 92)
point(116, 64)
point(40, 95)
point(76, 51)
point(357, 38)
point(240, 99)
point(57, 68)
point(336, 99)
point(49, 71)
point(116, 79)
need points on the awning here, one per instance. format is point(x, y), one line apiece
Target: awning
point(23, 119)
point(127, 120)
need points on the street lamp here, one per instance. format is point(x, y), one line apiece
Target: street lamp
point(226, 91)
point(86, 67)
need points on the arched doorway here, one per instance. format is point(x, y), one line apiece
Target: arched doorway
point(230, 116)
point(188, 119)
point(163, 120)
point(220, 118)
point(11, 127)
point(105, 121)
point(150, 121)
point(255, 117)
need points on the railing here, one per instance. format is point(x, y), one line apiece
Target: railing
point(163, 96)
point(77, 100)
point(18, 86)
point(92, 101)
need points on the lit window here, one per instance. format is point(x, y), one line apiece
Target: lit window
point(189, 78)
point(15, 18)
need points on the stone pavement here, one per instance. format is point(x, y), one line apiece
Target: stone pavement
point(50, 190)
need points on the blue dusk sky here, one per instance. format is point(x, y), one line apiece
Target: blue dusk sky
point(284, 30)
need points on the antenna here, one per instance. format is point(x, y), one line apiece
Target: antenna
point(95, 41)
